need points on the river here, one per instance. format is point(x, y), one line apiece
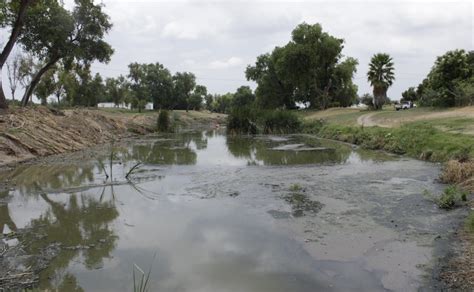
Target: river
point(208, 212)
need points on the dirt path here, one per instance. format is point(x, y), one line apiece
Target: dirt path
point(366, 120)
point(390, 119)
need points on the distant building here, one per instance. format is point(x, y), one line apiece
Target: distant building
point(113, 105)
point(148, 106)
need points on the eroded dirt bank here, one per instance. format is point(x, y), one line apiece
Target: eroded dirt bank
point(37, 132)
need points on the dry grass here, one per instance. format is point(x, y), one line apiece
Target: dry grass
point(460, 173)
point(458, 274)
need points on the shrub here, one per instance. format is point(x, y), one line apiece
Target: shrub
point(253, 121)
point(279, 122)
point(242, 121)
point(451, 196)
point(164, 123)
point(457, 172)
point(470, 222)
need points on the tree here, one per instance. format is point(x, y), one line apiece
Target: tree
point(209, 99)
point(184, 84)
point(449, 73)
point(14, 74)
point(243, 97)
point(116, 90)
point(223, 103)
point(53, 33)
point(367, 99)
point(272, 91)
point(308, 69)
point(197, 97)
point(45, 87)
point(409, 95)
point(152, 82)
point(344, 90)
point(381, 76)
point(13, 15)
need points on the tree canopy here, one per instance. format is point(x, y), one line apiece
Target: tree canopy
point(381, 76)
point(309, 69)
point(53, 33)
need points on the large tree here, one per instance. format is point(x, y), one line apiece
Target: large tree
point(381, 76)
point(184, 84)
point(308, 69)
point(12, 15)
point(14, 73)
point(243, 97)
point(53, 33)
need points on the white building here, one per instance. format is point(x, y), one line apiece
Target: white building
point(148, 106)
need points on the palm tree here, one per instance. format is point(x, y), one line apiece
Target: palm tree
point(381, 76)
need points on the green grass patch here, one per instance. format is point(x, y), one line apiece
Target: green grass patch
point(470, 222)
point(451, 197)
point(417, 140)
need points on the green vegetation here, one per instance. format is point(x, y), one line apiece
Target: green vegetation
point(450, 198)
point(470, 222)
point(141, 284)
point(449, 83)
point(253, 121)
point(296, 188)
point(417, 140)
point(300, 203)
point(164, 122)
point(381, 76)
point(309, 69)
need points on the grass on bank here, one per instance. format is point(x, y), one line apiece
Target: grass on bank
point(416, 140)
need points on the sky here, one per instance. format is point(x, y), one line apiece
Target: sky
point(216, 40)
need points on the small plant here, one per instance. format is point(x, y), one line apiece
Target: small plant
point(470, 222)
point(450, 197)
point(164, 122)
point(140, 284)
point(295, 188)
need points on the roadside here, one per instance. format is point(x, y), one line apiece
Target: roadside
point(27, 133)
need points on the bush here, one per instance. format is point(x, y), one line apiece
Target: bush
point(470, 222)
point(242, 121)
point(164, 123)
point(279, 122)
point(251, 121)
point(457, 172)
point(451, 197)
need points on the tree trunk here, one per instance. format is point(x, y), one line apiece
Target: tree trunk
point(380, 93)
point(3, 100)
point(36, 79)
point(9, 46)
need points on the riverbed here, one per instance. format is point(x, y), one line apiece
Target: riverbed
point(202, 211)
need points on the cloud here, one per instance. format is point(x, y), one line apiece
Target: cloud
point(231, 62)
point(216, 39)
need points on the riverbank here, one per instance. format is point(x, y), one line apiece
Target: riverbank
point(444, 136)
point(28, 133)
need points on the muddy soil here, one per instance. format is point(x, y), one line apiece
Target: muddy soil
point(28, 133)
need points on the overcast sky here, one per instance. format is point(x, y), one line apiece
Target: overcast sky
point(216, 40)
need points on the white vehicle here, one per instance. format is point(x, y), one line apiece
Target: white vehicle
point(405, 106)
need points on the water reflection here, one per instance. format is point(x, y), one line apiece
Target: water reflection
point(191, 148)
point(81, 226)
point(301, 150)
point(6, 222)
point(29, 179)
